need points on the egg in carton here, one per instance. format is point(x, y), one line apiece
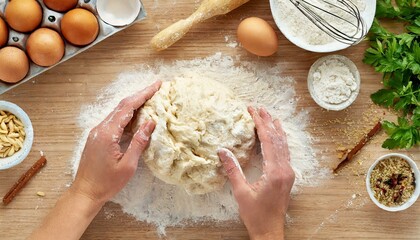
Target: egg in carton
point(112, 16)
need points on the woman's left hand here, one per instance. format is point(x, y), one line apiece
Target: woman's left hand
point(104, 169)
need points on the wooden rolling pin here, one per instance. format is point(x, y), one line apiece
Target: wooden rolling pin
point(206, 10)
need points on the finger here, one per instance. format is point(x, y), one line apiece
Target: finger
point(256, 117)
point(262, 131)
point(118, 119)
point(265, 115)
point(139, 142)
point(282, 142)
point(279, 128)
point(233, 169)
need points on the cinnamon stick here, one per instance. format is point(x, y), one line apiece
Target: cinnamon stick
point(24, 179)
point(350, 154)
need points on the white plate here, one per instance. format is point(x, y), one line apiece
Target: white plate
point(368, 15)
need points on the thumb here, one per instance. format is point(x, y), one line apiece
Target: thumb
point(232, 168)
point(140, 141)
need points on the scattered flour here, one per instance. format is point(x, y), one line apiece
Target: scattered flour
point(150, 200)
point(231, 43)
point(301, 27)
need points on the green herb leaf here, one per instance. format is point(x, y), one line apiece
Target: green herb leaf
point(384, 97)
point(397, 56)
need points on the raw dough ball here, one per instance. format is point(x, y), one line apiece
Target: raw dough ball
point(194, 119)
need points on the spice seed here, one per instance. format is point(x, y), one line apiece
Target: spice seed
point(11, 152)
point(4, 138)
point(17, 122)
point(7, 152)
point(3, 125)
point(13, 135)
point(11, 141)
point(41, 194)
point(19, 143)
point(11, 126)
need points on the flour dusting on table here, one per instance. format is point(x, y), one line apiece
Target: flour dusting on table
point(150, 200)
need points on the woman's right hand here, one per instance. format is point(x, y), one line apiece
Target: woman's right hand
point(263, 205)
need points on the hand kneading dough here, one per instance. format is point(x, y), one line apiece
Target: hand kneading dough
point(194, 119)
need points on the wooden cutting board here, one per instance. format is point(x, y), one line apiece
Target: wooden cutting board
point(338, 208)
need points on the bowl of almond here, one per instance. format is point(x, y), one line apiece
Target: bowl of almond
point(16, 135)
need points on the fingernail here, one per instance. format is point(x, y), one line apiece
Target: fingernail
point(220, 151)
point(251, 110)
point(149, 127)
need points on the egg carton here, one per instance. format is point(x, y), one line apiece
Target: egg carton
point(51, 19)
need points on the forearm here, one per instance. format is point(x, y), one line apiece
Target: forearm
point(69, 218)
point(275, 235)
point(272, 230)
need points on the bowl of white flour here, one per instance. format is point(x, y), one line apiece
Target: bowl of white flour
point(303, 33)
point(334, 82)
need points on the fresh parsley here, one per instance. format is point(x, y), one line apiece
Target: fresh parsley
point(397, 56)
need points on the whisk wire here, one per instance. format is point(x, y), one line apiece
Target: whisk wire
point(348, 8)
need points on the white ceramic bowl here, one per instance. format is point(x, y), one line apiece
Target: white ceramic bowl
point(19, 156)
point(416, 193)
point(353, 70)
point(367, 15)
point(118, 12)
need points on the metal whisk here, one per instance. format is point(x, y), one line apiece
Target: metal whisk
point(346, 13)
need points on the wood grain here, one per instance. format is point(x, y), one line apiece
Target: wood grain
point(327, 211)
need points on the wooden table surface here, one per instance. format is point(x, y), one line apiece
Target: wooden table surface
point(338, 208)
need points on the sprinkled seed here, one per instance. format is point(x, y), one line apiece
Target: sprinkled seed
point(3, 113)
point(3, 131)
point(41, 194)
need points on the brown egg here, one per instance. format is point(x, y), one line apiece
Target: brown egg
point(45, 47)
point(4, 33)
point(23, 15)
point(79, 26)
point(257, 36)
point(14, 64)
point(60, 5)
